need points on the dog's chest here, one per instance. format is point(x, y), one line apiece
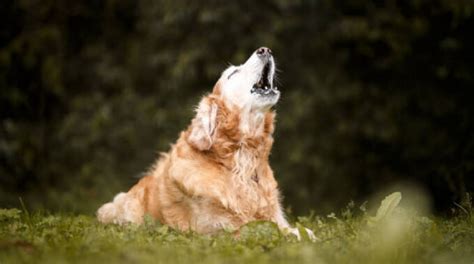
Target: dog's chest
point(250, 184)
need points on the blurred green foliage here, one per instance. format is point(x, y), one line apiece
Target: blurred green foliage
point(374, 93)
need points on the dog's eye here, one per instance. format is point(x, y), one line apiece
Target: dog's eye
point(234, 72)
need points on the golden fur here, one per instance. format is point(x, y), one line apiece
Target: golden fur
point(215, 176)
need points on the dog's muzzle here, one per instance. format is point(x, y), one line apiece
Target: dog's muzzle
point(264, 85)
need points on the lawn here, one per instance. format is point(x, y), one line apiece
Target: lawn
point(392, 234)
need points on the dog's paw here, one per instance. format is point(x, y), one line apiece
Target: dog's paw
point(311, 235)
point(296, 232)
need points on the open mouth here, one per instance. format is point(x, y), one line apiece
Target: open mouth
point(264, 86)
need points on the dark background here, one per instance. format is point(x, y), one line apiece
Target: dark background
point(374, 93)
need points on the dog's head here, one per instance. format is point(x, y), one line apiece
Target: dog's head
point(247, 91)
point(250, 85)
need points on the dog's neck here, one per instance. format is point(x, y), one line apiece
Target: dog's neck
point(252, 122)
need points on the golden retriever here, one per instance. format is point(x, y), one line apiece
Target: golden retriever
point(217, 174)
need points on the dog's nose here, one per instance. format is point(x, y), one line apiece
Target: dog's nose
point(264, 51)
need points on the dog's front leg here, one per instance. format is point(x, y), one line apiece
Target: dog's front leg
point(282, 223)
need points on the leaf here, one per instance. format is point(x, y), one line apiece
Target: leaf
point(387, 206)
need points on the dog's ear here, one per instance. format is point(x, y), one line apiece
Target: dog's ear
point(203, 125)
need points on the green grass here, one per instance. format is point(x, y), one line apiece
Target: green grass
point(392, 236)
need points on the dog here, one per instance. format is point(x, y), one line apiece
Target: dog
point(217, 175)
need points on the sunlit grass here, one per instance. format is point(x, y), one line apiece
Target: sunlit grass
point(392, 235)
